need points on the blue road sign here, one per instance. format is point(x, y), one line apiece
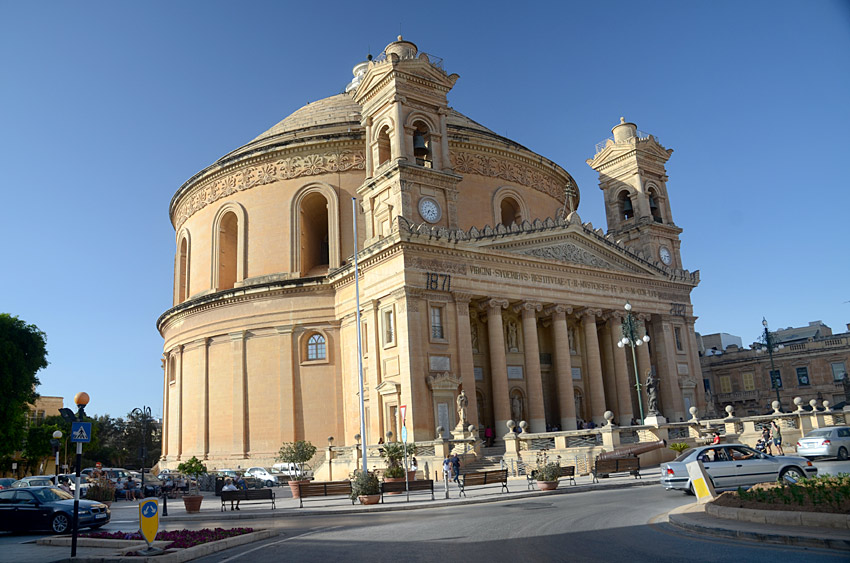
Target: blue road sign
point(81, 432)
point(404, 434)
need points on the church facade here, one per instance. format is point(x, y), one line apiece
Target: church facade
point(476, 274)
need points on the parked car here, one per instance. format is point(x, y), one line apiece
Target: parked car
point(730, 466)
point(47, 508)
point(263, 475)
point(34, 481)
point(825, 442)
point(6, 482)
point(84, 484)
point(292, 471)
point(250, 481)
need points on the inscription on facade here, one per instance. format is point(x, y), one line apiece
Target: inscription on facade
point(479, 373)
point(514, 372)
point(438, 282)
point(559, 281)
point(440, 363)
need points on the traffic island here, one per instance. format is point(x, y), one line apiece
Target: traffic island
point(177, 546)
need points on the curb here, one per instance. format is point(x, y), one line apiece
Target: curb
point(182, 555)
point(780, 517)
point(438, 503)
point(680, 519)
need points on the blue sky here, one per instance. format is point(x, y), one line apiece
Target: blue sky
point(107, 107)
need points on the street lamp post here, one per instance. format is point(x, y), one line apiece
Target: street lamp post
point(630, 328)
point(55, 443)
point(769, 340)
point(145, 413)
point(81, 399)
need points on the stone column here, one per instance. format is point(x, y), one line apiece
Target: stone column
point(563, 366)
point(179, 401)
point(533, 378)
point(594, 366)
point(609, 377)
point(240, 418)
point(205, 398)
point(644, 364)
point(398, 138)
point(625, 411)
point(287, 384)
point(696, 368)
point(465, 362)
point(498, 364)
point(166, 422)
point(665, 352)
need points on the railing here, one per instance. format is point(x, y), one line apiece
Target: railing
point(584, 440)
point(541, 443)
point(628, 436)
point(678, 432)
point(641, 136)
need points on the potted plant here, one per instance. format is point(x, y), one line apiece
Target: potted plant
point(365, 488)
point(547, 473)
point(194, 469)
point(102, 490)
point(394, 453)
point(298, 453)
point(678, 447)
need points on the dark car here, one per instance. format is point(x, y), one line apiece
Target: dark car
point(47, 508)
point(6, 483)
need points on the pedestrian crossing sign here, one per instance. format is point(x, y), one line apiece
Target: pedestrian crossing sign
point(81, 432)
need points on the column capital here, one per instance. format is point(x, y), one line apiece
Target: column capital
point(399, 98)
point(462, 297)
point(528, 307)
point(235, 336)
point(588, 312)
point(285, 329)
point(557, 310)
point(614, 315)
point(642, 316)
point(495, 304)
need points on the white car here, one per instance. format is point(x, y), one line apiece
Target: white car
point(263, 475)
point(825, 442)
point(291, 471)
point(730, 466)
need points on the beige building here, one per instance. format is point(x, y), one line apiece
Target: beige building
point(476, 274)
point(810, 365)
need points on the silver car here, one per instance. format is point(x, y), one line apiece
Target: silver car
point(730, 466)
point(825, 442)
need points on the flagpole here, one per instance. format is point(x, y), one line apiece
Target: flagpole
point(359, 330)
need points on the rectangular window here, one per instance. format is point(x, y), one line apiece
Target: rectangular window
point(437, 331)
point(838, 371)
point(364, 337)
point(389, 327)
point(775, 379)
point(802, 376)
point(678, 333)
point(749, 381)
point(725, 384)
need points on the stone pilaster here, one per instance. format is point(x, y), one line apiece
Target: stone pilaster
point(465, 362)
point(498, 363)
point(240, 413)
point(594, 366)
point(563, 366)
point(695, 368)
point(166, 417)
point(287, 384)
point(665, 352)
point(204, 446)
point(533, 378)
point(644, 366)
point(179, 386)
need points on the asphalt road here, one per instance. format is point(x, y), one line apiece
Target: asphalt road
point(614, 525)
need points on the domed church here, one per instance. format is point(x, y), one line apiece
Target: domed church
point(476, 276)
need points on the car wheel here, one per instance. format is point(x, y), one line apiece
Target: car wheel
point(269, 483)
point(690, 490)
point(60, 523)
point(842, 453)
point(791, 475)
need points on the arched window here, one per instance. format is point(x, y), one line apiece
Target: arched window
point(384, 147)
point(422, 144)
point(653, 206)
point(510, 212)
point(627, 211)
point(183, 270)
point(316, 349)
point(228, 238)
point(315, 249)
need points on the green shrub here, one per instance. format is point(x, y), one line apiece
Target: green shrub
point(298, 452)
point(364, 484)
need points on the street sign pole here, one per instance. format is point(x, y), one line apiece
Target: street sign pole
point(75, 528)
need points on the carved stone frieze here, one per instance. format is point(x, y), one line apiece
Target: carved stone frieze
point(443, 381)
point(571, 253)
point(266, 173)
point(483, 165)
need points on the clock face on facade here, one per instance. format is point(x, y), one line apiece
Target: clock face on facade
point(429, 210)
point(664, 254)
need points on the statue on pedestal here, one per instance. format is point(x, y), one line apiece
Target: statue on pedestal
point(651, 387)
point(462, 404)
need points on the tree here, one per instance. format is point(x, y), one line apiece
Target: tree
point(23, 352)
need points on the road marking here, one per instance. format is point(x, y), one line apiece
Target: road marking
point(311, 532)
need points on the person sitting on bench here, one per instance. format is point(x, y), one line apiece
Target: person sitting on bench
point(229, 486)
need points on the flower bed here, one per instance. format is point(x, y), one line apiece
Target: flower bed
point(180, 539)
point(819, 494)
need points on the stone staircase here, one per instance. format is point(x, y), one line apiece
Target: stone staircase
point(490, 458)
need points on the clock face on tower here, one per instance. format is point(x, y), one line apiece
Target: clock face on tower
point(664, 254)
point(429, 209)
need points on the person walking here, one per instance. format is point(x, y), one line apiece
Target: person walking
point(776, 435)
point(765, 436)
point(447, 468)
point(488, 436)
point(455, 467)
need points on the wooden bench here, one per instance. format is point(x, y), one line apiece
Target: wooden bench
point(412, 486)
point(606, 467)
point(568, 471)
point(323, 489)
point(251, 496)
point(478, 478)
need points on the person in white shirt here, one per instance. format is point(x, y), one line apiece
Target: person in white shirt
point(229, 486)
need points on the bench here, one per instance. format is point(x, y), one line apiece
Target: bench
point(568, 471)
point(478, 478)
point(323, 489)
point(388, 487)
point(251, 496)
point(605, 467)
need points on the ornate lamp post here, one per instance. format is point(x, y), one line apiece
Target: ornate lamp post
point(55, 443)
point(770, 342)
point(145, 413)
point(630, 328)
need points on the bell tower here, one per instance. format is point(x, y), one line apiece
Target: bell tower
point(408, 170)
point(633, 178)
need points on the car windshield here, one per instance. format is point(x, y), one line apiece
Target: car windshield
point(51, 494)
point(39, 482)
point(685, 454)
point(819, 433)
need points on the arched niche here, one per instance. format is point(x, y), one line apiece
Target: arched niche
point(315, 230)
point(228, 248)
point(509, 207)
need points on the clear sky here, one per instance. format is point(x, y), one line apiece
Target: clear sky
point(106, 108)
